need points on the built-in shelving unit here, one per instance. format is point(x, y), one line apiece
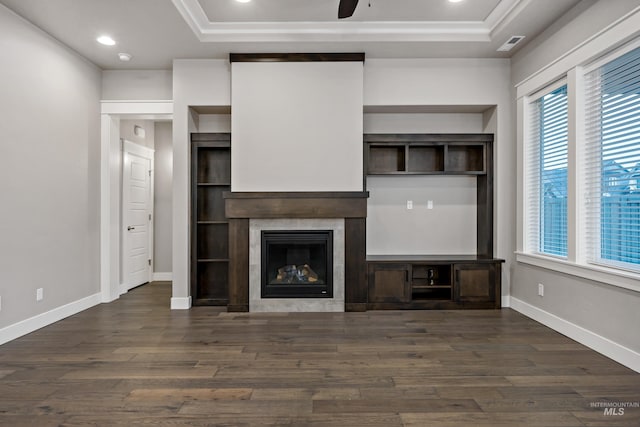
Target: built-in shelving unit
point(211, 177)
point(442, 281)
point(426, 154)
point(427, 282)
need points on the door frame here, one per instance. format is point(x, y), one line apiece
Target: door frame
point(149, 154)
point(110, 174)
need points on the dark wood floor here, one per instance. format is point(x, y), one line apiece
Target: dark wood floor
point(135, 362)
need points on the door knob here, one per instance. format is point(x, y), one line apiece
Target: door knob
point(129, 228)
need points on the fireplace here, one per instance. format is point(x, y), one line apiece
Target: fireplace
point(297, 264)
point(342, 213)
point(314, 300)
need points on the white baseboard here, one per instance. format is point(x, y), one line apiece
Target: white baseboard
point(602, 345)
point(34, 323)
point(180, 303)
point(506, 301)
point(162, 277)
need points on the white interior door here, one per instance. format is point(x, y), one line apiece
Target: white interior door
point(137, 204)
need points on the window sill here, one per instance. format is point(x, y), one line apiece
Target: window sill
point(608, 276)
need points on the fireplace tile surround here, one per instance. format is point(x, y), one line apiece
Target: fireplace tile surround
point(251, 212)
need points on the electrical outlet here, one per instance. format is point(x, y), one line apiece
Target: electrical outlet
point(429, 204)
point(39, 294)
point(540, 289)
point(409, 204)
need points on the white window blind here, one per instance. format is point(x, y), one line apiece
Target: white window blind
point(612, 167)
point(547, 174)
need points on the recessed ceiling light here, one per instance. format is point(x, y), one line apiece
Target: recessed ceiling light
point(455, 1)
point(243, 1)
point(125, 57)
point(106, 40)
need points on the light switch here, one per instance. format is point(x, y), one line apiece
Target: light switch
point(409, 204)
point(429, 204)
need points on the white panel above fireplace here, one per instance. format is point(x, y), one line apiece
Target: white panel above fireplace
point(296, 126)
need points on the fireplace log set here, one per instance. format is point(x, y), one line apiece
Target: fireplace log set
point(294, 274)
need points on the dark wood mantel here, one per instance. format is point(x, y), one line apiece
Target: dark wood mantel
point(296, 205)
point(352, 206)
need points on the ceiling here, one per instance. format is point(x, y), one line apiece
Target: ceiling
point(155, 32)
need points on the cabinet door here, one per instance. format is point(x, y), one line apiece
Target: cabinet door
point(389, 283)
point(475, 282)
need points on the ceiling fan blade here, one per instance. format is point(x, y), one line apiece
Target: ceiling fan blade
point(346, 8)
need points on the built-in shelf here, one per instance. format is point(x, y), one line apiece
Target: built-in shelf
point(466, 158)
point(426, 154)
point(385, 159)
point(425, 159)
point(211, 178)
point(436, 281)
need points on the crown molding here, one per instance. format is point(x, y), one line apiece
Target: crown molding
point(504, 13)
point(348, 31)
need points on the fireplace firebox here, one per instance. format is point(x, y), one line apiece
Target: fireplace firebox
point(297, 264)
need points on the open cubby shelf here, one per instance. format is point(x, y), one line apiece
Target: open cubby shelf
point(425, 158)
point(387, 158)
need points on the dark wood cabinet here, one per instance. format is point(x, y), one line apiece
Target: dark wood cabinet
point(474, 283)
point(428, 282)
point(210, 178)
point(389, 282)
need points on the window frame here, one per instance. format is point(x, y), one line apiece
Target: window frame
point(594, 225)
point(533, 213)
point(573, 67)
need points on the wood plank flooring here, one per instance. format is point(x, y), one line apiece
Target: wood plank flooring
point(135, 362)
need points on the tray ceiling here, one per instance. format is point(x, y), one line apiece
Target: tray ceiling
point(155, 32)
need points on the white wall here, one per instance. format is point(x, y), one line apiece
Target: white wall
point(163, 178)
point(449, 228)
point(423, 123)
point(49, 177)
point(216, 123)
point(598, 314)
point(296, 126)
point(137, 84)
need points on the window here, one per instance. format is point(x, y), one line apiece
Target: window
point(612, 94)
point(547, 173)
